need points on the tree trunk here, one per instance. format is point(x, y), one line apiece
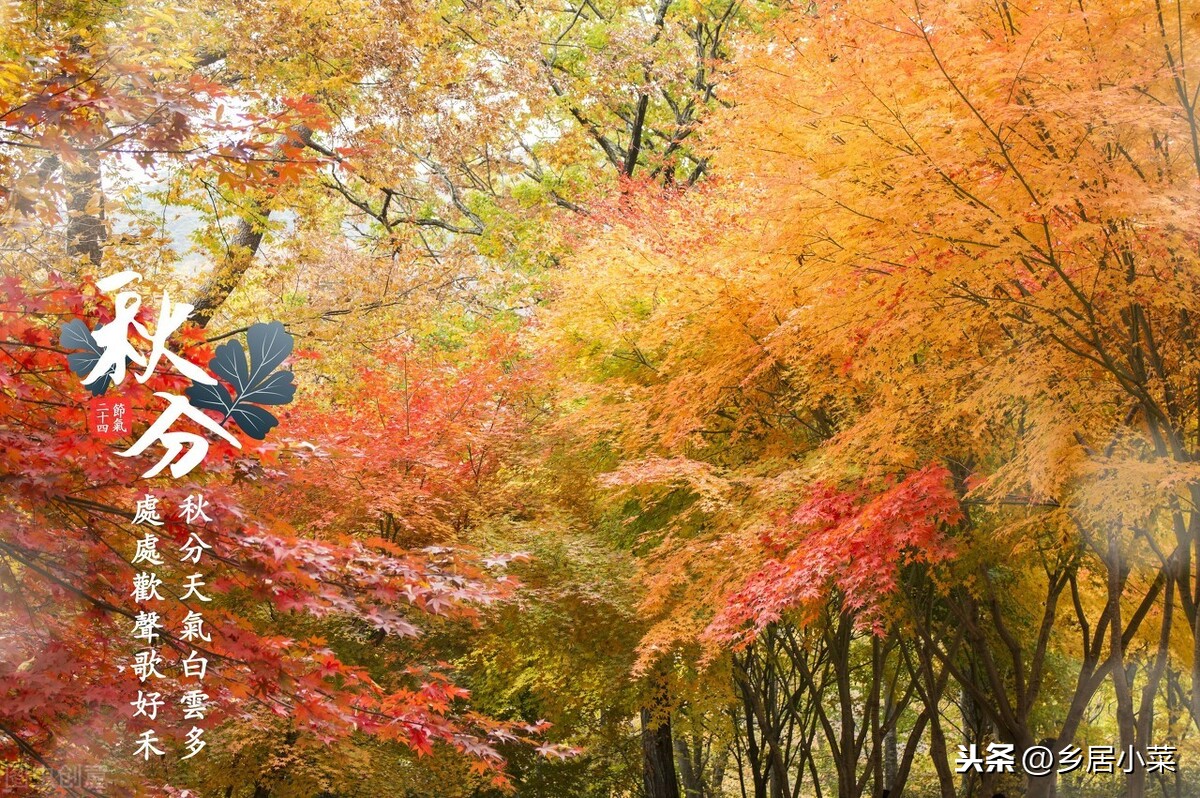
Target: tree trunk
point(891, 762)
point(658, 754)
point(1126, 721)
point(242, 248)
point(689, 774)
point(226, 276)
point(658, 761)
point(85, 208)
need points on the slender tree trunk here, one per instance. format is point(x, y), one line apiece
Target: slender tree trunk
point(776, 775)
point(1193, 564)
point(1136, 783)
point(1174, 694)
point(1126, 722)
point(713, 788)
point(890, 747)
point(688, 769)
point(941, 759)
point(754, 751)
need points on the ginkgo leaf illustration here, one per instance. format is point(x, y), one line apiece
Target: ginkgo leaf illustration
point(76, 335)
point(255, 381)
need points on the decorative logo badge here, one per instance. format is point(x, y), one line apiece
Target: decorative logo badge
point(109, 417)
point(247, 385)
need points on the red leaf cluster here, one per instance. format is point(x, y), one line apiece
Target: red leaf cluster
point(851, 541)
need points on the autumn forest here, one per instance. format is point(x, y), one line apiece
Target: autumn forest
point(600, 398)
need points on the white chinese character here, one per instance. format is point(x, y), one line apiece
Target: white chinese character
point(193, 508)
point(1160, 759)
point(1130, 760)
point(171, 317)
point(1000, 758)
point(192, 549)
point(145, 586)
point(1101, 758)
point(147, 512)
point(146, 744)
point(144, 626)
point(195, 665)
point(174, 442)
point(1070, 759)
point(147, 704)
point(194, 743)
point(195, 704)
point(194, 582)
point(193, 627)
point(113, 338)
point(147, 550)
point(145, 664)
point(968, 759)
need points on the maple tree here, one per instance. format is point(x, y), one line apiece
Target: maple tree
point(962, 263)
point(68, 540)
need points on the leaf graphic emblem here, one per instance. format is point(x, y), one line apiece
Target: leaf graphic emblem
point(256, 381)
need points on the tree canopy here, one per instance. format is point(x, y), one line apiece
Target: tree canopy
point(679, 399)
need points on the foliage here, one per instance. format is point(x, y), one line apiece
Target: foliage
point(689, 398)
